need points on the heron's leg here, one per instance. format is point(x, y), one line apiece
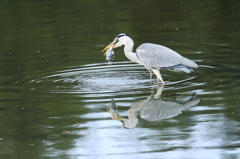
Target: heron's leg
point(159, 93)
point(150, 73)
point(159, 77)
point(160, 84)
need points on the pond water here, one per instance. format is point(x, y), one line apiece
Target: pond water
point(56, 87)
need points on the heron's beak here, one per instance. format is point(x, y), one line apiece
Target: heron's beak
point(111, 44)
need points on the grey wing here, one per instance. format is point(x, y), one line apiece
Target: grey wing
point(157, 56)
point(159, 109)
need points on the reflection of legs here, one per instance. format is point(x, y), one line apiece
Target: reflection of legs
point(159, 77)
point(159, 93)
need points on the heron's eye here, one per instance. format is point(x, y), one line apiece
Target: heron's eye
point(116, 41)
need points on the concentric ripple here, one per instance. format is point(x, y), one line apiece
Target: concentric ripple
point(100, 77)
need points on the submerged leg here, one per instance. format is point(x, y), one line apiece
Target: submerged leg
point(159, 77)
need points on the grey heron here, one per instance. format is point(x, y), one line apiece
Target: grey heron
point(153, 56)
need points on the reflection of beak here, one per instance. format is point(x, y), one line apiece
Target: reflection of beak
point(111, 44)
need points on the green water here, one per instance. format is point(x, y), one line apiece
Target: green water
point(56, 87)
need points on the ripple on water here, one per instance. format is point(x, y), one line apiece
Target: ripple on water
point(95, 78)
point(121, 76)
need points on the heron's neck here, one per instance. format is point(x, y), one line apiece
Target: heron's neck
point(128, 50)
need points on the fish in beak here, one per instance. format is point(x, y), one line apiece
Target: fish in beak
point(112, 44)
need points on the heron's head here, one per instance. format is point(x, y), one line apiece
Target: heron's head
point(118, 41)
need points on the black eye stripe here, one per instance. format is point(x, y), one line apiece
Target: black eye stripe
point(121, 35)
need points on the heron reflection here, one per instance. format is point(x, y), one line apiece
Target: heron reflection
point(155, 107)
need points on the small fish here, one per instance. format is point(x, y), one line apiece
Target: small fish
point(109, 55)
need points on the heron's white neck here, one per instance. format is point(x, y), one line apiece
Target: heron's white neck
point(128, 50)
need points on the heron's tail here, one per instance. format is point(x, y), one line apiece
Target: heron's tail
point(188, 63)
point(183, 68)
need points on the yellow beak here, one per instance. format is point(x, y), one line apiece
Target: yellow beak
point(111, 44)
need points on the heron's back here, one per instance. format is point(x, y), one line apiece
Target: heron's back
point(160, 57)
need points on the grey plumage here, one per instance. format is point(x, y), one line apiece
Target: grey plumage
point(155, 56)
point(159, 109)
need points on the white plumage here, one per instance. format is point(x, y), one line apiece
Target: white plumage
point(154, 57)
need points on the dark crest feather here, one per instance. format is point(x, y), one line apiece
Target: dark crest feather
point(121, 35)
